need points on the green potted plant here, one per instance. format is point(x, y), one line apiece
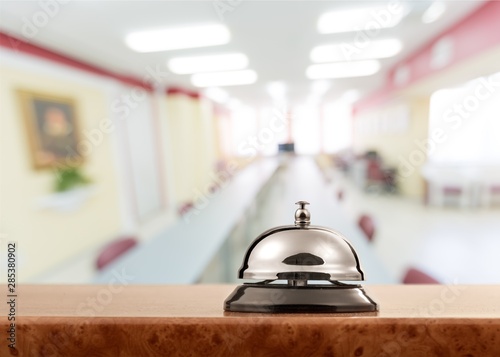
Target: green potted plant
point(68, 178)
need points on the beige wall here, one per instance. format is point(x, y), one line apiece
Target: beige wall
point(395, 130)
point(416, 97)
point(207, 138)
point(222, 131)
point(191, 138)
point(48, 237)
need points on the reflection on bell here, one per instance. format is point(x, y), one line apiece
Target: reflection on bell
point(301, 267)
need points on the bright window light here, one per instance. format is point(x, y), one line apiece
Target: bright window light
point(467, 132)
point(243, 125)
point(178, 38)
point(371, 18)
point(277, 91)
point(351, 96)
point(234, 104)
point(216, 94)
point(350, 51)
point(337, 130)
point(434, 12)
point(212, 63)
point(228, 78)
point(306, 129)
point(343, 69)
point(320, 87)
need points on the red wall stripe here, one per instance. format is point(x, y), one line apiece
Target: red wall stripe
point(476, 33)
point(16, 44)
point(182, 91)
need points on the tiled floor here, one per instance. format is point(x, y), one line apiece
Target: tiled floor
point(451, 244)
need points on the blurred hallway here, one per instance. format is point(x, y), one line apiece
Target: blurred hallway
point(449, 243)
point(452, 244)
point(163, 136)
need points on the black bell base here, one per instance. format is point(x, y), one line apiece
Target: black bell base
point(281, 298)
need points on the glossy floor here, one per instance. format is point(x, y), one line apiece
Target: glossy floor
point(449, 243)
point(454, 245)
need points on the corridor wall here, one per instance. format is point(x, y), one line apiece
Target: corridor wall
point(49, 236)
point(120, 135)
point(193, 145)
point(398, 132)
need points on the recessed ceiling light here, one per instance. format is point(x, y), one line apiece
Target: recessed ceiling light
point(343, 69)
point(350, 51)
point(178, 38)
point(434, 12)
point(212, 63)
point(228, 78)
point(364, 18)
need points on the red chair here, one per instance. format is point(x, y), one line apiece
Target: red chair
point(374, 171)
point(367, 225)
point(415, 276)
point(185, 208)
point(114, 250)
point(450, 190)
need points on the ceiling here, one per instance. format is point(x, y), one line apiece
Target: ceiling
point(277, 36)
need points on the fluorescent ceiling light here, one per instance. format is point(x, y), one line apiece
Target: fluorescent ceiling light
point(178, 38)
point(212, 63)
point(350, 51)
point(369, 19)
point(216, 94)
point(228, 78)
point(343, 69)
point(434, 12)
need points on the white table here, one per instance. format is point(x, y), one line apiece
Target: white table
point(179, 255)
point(475, 183)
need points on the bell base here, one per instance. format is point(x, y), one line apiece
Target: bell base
point(281, 298)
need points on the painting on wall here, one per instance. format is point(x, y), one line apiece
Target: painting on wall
point(52, 128)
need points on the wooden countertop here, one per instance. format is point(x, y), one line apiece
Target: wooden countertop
point(118, 320)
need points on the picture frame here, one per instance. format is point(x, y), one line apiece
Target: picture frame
point(52, 128)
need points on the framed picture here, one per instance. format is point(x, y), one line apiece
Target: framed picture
point(52, 128)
